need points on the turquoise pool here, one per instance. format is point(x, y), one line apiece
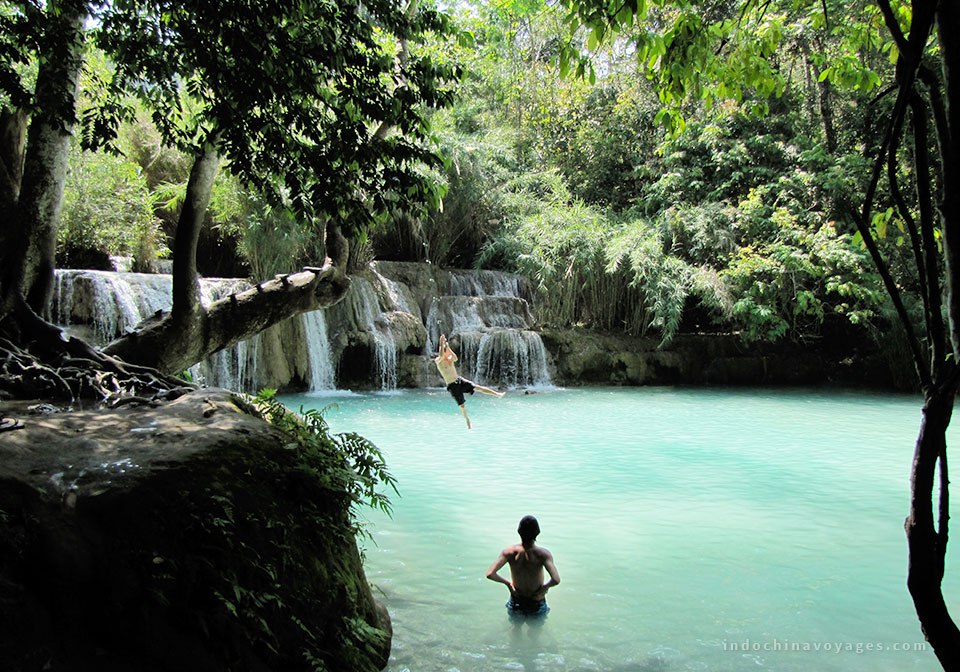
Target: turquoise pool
point(693, 529)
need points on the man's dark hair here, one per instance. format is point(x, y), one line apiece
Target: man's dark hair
point(528, 529)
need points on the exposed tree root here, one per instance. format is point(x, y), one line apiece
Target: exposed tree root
point(51, 365)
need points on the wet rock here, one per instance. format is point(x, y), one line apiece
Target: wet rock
point(179, 537)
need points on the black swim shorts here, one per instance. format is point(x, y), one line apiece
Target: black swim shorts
point(458, 388)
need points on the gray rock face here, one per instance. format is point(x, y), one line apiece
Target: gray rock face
point(177, 537)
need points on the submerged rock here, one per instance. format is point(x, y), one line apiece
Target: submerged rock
point(183, 537)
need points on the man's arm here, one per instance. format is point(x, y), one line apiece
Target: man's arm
point(552, 571)
point(444, 349)
point(496, 567)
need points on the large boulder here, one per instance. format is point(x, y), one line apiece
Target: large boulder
point(187, 536)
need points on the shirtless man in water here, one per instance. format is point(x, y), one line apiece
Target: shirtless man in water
point(528, 592)
point(457, 386)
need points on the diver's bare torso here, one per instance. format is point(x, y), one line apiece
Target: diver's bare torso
point(446, 367)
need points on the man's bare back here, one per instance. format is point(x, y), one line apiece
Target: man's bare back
point(527, 562)
point(526, 570)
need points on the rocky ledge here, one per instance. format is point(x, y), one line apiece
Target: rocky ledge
point(185, 536)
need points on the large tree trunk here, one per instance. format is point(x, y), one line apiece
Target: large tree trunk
point(186, 314)
point(30, 237)
point(926, 534)
point(928, 544)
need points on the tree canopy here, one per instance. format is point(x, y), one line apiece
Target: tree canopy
point(319, 107)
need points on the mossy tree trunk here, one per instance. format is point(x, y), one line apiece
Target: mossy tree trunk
point(32, 200)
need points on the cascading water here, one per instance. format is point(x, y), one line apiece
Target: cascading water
point(322, 375)
point(115, 303)
point(431, 323)
point(363, 301)
point(484, 283)
point(482, 312)
point(394, 293)
point(233, 368)
point(512, 358)
point(486, 313)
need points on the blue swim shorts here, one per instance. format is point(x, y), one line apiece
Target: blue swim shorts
point(527, 607)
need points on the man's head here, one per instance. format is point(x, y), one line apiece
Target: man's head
point(528, 529)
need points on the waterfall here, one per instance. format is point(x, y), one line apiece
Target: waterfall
point(433, 329)
point(112, 303)
point(484, 283)
point(395, 294)
point(512, 358)
point(102, 305)
point(366, 309)
point(62, 299)
point(486, 314)
point(233, 368)
point(318, 350)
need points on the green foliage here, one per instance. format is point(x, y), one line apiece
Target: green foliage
point(20, 28)
point(663, 279)
point(732, 221)
point(300, 105)
point(736, 53)
point(141, 142)
point(107, 207)
point(590, 269)
point(620, 221)
point(557, 242)
point(786, 285)
point(480, 166)
point(344, 463)
point(272, 239)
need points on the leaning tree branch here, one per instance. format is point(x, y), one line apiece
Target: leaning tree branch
point(159, 343)
point(893, 26)
point(936, 327)
point(907, 216)
point(894, 293)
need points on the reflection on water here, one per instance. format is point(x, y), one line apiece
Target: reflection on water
point(693, 529)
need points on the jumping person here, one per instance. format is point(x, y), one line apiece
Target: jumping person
point(457, 385)
point(528, 592)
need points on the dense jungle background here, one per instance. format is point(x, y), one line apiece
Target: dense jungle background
point(739, 223)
